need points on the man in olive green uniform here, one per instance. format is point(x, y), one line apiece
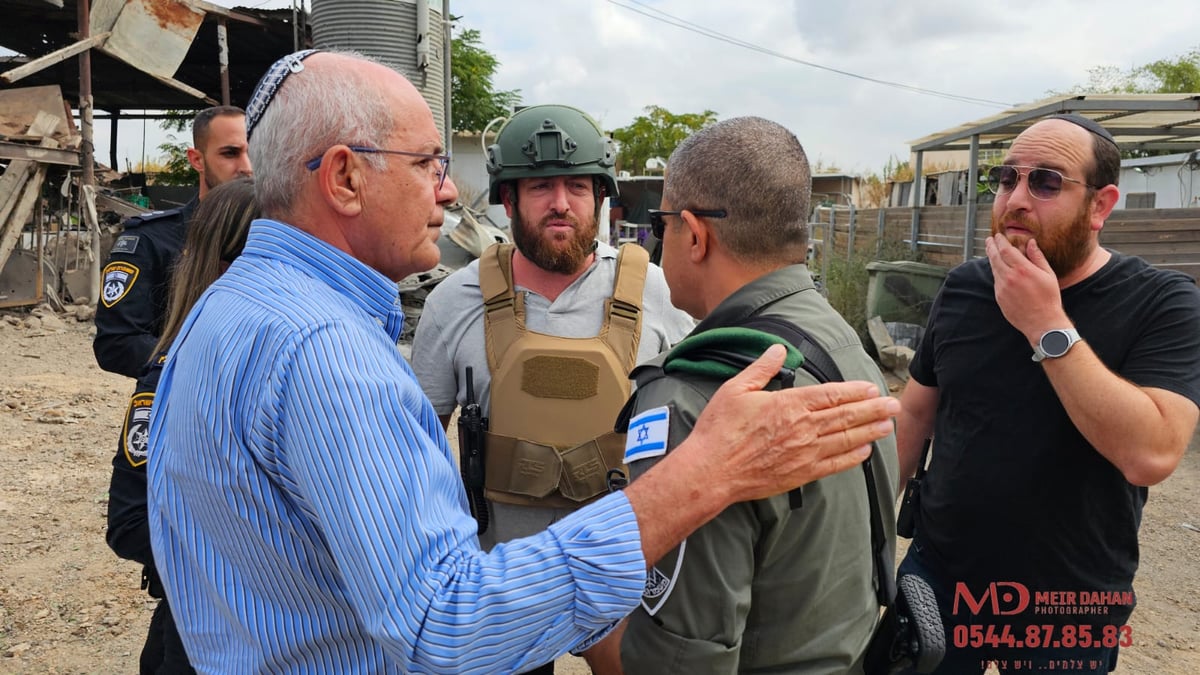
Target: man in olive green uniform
point(764, 586)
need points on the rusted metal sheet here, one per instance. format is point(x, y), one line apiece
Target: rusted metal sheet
point(151, 35)
point(22, 279)
point(19, 107)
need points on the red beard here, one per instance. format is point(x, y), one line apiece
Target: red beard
point(1066, 245)
point(564, 253)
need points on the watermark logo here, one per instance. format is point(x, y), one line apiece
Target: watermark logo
point(1003, 598)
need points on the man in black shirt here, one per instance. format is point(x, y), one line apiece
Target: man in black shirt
point(1058, 380)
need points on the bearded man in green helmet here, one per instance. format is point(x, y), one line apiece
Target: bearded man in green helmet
point(548, 328)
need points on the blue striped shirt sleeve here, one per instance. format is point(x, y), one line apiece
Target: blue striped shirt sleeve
point(389, 501)
point(305, 509)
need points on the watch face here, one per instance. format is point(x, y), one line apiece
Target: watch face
point(1055, 343)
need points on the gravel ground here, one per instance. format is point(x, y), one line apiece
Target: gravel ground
point(68, 605)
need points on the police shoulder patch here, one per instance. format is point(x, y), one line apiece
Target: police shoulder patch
point(119, 277)
point(648, 434)
point(126, 243)
point(659, 583)
point(135, 436)
point(149, 217)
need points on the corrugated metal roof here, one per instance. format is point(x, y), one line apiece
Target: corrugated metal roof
point(256, 38)
point(1136, 121)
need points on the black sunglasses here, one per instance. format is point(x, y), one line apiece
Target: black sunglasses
point(1044, 184)
point(658, 223)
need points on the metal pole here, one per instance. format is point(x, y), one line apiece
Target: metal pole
point(447, 75)
point(879, 236)
point(112, 139)
point(86, 147)
point(972, 199)
point(850, 245)
point(917, 199)
point(825, 250)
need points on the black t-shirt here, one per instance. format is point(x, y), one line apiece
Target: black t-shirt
point(1014, 492)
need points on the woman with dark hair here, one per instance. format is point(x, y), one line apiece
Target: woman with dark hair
point(215, 237)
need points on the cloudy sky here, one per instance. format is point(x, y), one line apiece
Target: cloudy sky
point(615, 57)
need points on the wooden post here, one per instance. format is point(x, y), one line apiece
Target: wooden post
point(223, 59)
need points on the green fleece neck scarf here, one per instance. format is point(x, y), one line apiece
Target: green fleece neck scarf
point(700, 354)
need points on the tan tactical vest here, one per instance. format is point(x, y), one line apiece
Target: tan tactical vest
point(550, 440)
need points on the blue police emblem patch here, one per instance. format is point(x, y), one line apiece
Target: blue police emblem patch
point(125, 244)
point(647, 435)
point(135, 436)
point(118, 279)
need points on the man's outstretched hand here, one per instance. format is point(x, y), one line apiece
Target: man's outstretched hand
point(750, 444)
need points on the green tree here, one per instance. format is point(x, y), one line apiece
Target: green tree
point(473, 99)
point(179, 121)
point(656, 134)
point(1174, 76)
point(176, 168)
point(1177, 75)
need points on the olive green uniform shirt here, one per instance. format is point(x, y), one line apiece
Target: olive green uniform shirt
point(763, 588)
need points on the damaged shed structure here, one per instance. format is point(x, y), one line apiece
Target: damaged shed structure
point(108, 60)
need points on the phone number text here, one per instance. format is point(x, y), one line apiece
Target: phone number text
point(1046, 635)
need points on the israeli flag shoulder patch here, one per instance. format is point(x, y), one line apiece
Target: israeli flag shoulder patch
point(647, 435)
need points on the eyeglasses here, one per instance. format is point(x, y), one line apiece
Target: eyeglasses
point(1044, 184)
point(658, 223)
point(443, 160)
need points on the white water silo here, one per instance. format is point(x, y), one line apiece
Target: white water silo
point(408, 35)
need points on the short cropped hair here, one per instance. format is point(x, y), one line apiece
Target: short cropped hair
point(1106, 163)
point(757, 171)
point(203, 120)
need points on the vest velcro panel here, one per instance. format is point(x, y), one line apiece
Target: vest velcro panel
point(553, 399)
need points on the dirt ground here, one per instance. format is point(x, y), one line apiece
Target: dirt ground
point(68, 605)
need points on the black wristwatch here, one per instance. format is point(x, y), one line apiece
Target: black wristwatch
point(1055, 343)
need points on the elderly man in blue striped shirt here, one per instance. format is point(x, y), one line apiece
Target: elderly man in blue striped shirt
point(306, 511)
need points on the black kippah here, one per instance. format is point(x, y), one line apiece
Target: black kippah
point(1087, 123)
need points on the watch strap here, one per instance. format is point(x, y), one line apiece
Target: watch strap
point(1072, 337)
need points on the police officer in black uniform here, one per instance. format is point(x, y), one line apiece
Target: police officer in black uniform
point(134, 283)
point(226, 214)
point(134, 290)
point(130, 317)
point(128, 533)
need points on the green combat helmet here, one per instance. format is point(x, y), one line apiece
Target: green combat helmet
point(550, 140)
